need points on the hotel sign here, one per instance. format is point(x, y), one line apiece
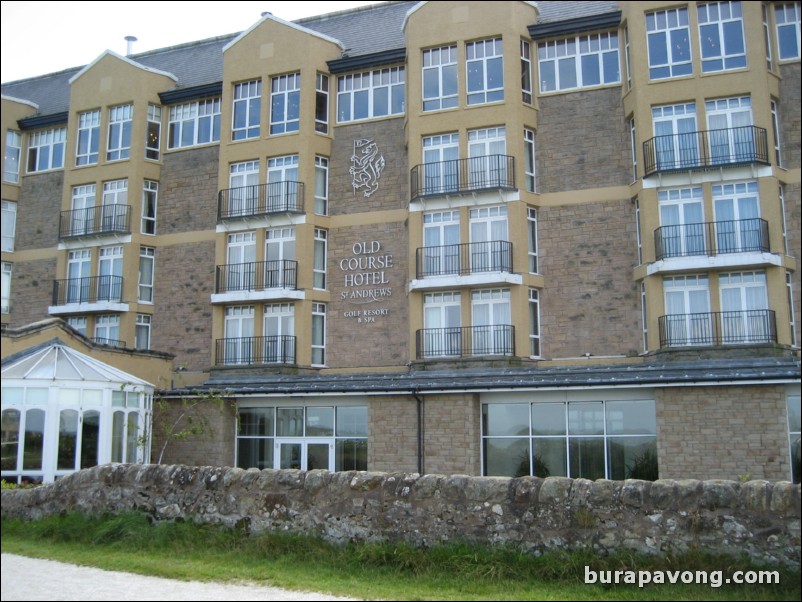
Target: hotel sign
point(366, 280)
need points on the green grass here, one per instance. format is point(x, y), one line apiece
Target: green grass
point(387, 571)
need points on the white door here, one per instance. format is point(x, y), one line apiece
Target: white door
point(744, 302)
point(688, 320)
point(115, 199)
point(682, 228)
point(279, 247)
point(729, 122)
point(110, 271)
point(279, 333)
point(244, 193)
point(487, 161)
point(488, 233)
point(304, 454)
point(492, 333)
point(441, 164)
point(78, 274)
point(442, 325)
point(738, 225)
point(441, 243)
point(282, 184)
point(238, 342)
point(241, 262)
point(675, 129)
point(83, 210)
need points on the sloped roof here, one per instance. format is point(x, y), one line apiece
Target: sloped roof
point(56, 361)
point(551, 11)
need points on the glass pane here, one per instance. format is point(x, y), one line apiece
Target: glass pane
point(290, 422)
point(13, 396)
point(506, 457)
point(255, 453)
point(256, 422)
point(794, 412)
point(132, 445)
point(587, 458)
point(34, 440)
point(352, 422)
point(796, 457)
point(351, 454)
point(36, 396)
point(549, 457)
point(90, 436)
point(290, 455)
point(548, 419)
point(319, 422)
point(67, 440)
point(117, 441)
point(93, 397)
point(317, 456)
point(505, 419)
point(632, 458)
point(10, 438)
point(631, 418)
point(586, 418)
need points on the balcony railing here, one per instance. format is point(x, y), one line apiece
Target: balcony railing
point(250, 351)
point(463, 175)
point(712, 238)
point(93, 289)
point(109, 342)
point(259, 276)
point(718, 328)
point(705, 149)
point(463, 259)
point(94, 221)
point(262, 199)
point(468, 341)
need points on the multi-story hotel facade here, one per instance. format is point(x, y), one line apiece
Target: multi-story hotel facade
point(503, 239)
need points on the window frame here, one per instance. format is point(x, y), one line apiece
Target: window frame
point(320, 258)
point(321, 196)
point(712, 20)
point(783, 10)
point(153, 131)
point(143, 324)
point(196, 113)
point(12, 157)
point(118, 144)
point(535, 329)
point(322, 103)
point(247, 107)
point(576, 49)
point(88, 138)
point(672, 67)
point(395, 86)
point(432, 64)
point(150, 190)
point(285, 103)
point(318, 341)
point(477, 66)
point(147, 255)
point(5, 287)
point(55, 139)
point(9, 226)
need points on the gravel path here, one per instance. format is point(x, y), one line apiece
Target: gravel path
point(25, 578)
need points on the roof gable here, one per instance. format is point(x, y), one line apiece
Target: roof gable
point(270, 17)
point(112, 54)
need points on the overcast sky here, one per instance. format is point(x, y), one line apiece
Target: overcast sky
point(43, 37)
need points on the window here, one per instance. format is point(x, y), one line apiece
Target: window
point(489, 234)
point(643, 318)
point(668, 37)
point(370, 94)
point(279, 249)
point(321, 244)
point(441, 164)
point(194, 123)
point(110, 272)
point(791, 316)
point(682, 230)
point(487, 149)
point(285, 103)
point(441, 244)
point(119, 143)
point(318, 334)
point(238, 343)
point(775, 129)
point(492, 332)
point(794, 441)
point(531, 226)
point(78, 323)
point(440, 78)
point(529, 160)
point(46, 150)
point(442, 334)
point(142, 338)
point(731, 138)
point(5, 297)
point(744, 301)
point(787, 17)
point(687, 305)
point(781, 194)
point(767, 38)
point(577, 439)
point(676, 144)
point(241, 269)
point(279, 334)
point(88, 138)
point(114, 213)
point(638, 233)
point(78, 274)
point(150, 196)
point(534, 323)
point(633, 141)
point(243, 195)
point(9, 226)
point(322, 103)
point(283, 188)
point(579, 62)
point(721, 36)
point(12, 157)
point(526, 72)
point(83, 210)
point(738, 223)
point(153, 132)
point(247, 110)
point(107, 330)
point(321, 185)
point(485, 69)
point(627, 59)
point(147, 260)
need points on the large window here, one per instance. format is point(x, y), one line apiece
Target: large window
point(247, 110)
point(534, 323)
point(194, 123)
point(529, 160)
point(107, 330)
point(744, 299)
point(238, 344)
point(668, 36)
point(787, 17)
point(86, 152)
point(531, 227)
point(577, 439)
point(285, 103)
point(721, 36)
point(321, 185)
point(322, 103)
point(318, 334)
point(153, 133)
point(142, 336)
point(440, 78)
point(12, 156)
point(150, 196)
point(485, 71)
point(370, 94)
point(526, 72)
point(278, 344)
point(441, 163)
point(321, 254)
point(331, 438)
point(579, 62)
point(119, 143)
point(147, 259)
point(441, 322)
point(46, 150)
point(687, 307)
point(9, 225)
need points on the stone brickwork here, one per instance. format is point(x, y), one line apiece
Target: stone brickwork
point(188, 191)
point(453, 434)
point(392, 434)
point(31, 290)
point(793, 220)
point(38, 211)
point(722, 432)
point(368, 314)
point(791, 122)
point(184, 282)
point(393, 190)
point(582, 141)
point(590, 304)
point(758, 518)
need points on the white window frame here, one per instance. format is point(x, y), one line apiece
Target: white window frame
point(789, 287)
point(633, 140)
point(318, 334)
point(441, 168)
point(478, 58)
point(694, 288)
point(146, 280)
point(643, 317)
point(142, 331)
point(150, 201)
point(526, 72)
point(322, 103)
point(187, 121)
point(320, 258)
point(153, 133)
point(441, 237)
point(569, 62)
point(285, 104)
point(752, 290)
point(46, 150)
point(238, 324)
point(248, 105)
point(716, 19)
point(87, 141)
point(535, 340)
point(321, 185)
point(787, 20)
point(530, 165)
point(280, 246)
point(661, 29)
point(118, 145)
point(444, 308)
point(11, 161)
point(278, 320)
point(440, 68)
point(389, 82)
point(775, 127)
point(78, 323)
point(532, 240)
point(9, 226)
point(5, 287)
point(106, 326)
point(489, 335)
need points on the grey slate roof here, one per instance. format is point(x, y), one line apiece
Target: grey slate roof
point(781, 369)
point(562, 11)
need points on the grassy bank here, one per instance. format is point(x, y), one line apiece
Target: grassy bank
point(387, 571)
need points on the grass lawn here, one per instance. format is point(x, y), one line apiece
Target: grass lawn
point(372, 571)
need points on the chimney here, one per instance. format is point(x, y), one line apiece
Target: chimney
point(130, 47)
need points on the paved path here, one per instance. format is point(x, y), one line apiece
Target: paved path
point(24, 578)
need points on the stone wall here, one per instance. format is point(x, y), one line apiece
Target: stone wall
point(31, 290)
point(790, 126)
point(188, 191)
point(39, 211)
point(758, 518)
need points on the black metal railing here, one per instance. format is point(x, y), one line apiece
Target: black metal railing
point(463, 259)
point(712, 238)
point(92, 221)
point(93, 289)
point(110, 342)
point(706, 148)
point(262, 199)
point(463, 175)
point(248, 351)
point(467, 341)
point(718, 328)
point(258, 276)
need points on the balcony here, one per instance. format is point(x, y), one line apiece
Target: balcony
point(468, 341)
point(464, 259)
point(706, 149)
point(712, 238)
point(260, 200)
point(250, 351)
point(96, 289)
point(754, 326)
point(95, 221)
point(462, 176)
point(109, 342)
point(259, 281)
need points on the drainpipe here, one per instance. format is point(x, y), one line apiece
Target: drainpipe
point(420, 407)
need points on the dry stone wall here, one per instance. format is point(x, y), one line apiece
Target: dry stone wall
point(759, 518)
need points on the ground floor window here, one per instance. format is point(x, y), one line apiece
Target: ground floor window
point(309, 437)
point(579, 439)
